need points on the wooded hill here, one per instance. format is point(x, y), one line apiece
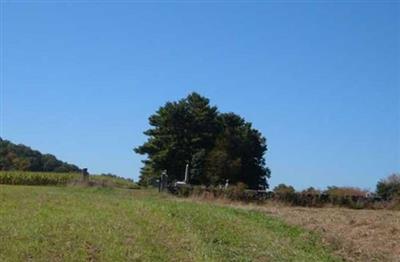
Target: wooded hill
point(24, 158)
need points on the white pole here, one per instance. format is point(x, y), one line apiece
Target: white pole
point(186, 173)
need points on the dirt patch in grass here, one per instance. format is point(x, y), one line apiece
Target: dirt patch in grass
point(355, 235)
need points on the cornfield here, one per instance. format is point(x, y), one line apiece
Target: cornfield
point(49, 178)
point(36, 178)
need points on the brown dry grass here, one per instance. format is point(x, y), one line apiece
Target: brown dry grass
point(354, 235)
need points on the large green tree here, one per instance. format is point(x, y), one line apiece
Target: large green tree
point(217, 146)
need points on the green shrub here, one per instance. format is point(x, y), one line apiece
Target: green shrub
point(184, 191)
point(236, 192)
point(285, 193)
point(389, 188)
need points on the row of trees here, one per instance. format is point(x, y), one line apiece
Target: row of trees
point(217, 146)
point(23, 158)
point(386, 189)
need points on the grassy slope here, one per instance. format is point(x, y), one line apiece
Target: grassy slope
point(75, 224)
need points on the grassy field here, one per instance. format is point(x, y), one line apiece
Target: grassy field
point(100, 224)
point(354, 235)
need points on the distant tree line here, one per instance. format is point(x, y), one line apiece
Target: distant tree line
point(217, 146)
point(23, 158)
point(386, 189)
point(386, 196)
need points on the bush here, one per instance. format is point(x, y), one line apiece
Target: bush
point(395, 204)
point(184, 191)
point(311, 191)
point(389, 188)
point(284, 189)
point(284, 193)
point(236, 192)
point(345, 191)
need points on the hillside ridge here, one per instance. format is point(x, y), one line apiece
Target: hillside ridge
point(23, 158)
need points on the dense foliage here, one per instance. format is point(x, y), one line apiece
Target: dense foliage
point(284, 189)
point(389, 187)
point(350, 197)
point(216, 146)
point(23, 158)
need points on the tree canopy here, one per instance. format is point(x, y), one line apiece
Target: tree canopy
point(23, 158)
point(284, 189)
point(217, 146)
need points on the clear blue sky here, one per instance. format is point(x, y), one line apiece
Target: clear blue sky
point(321, 81)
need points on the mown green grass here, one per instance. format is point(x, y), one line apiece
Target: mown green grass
point(78, 224)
